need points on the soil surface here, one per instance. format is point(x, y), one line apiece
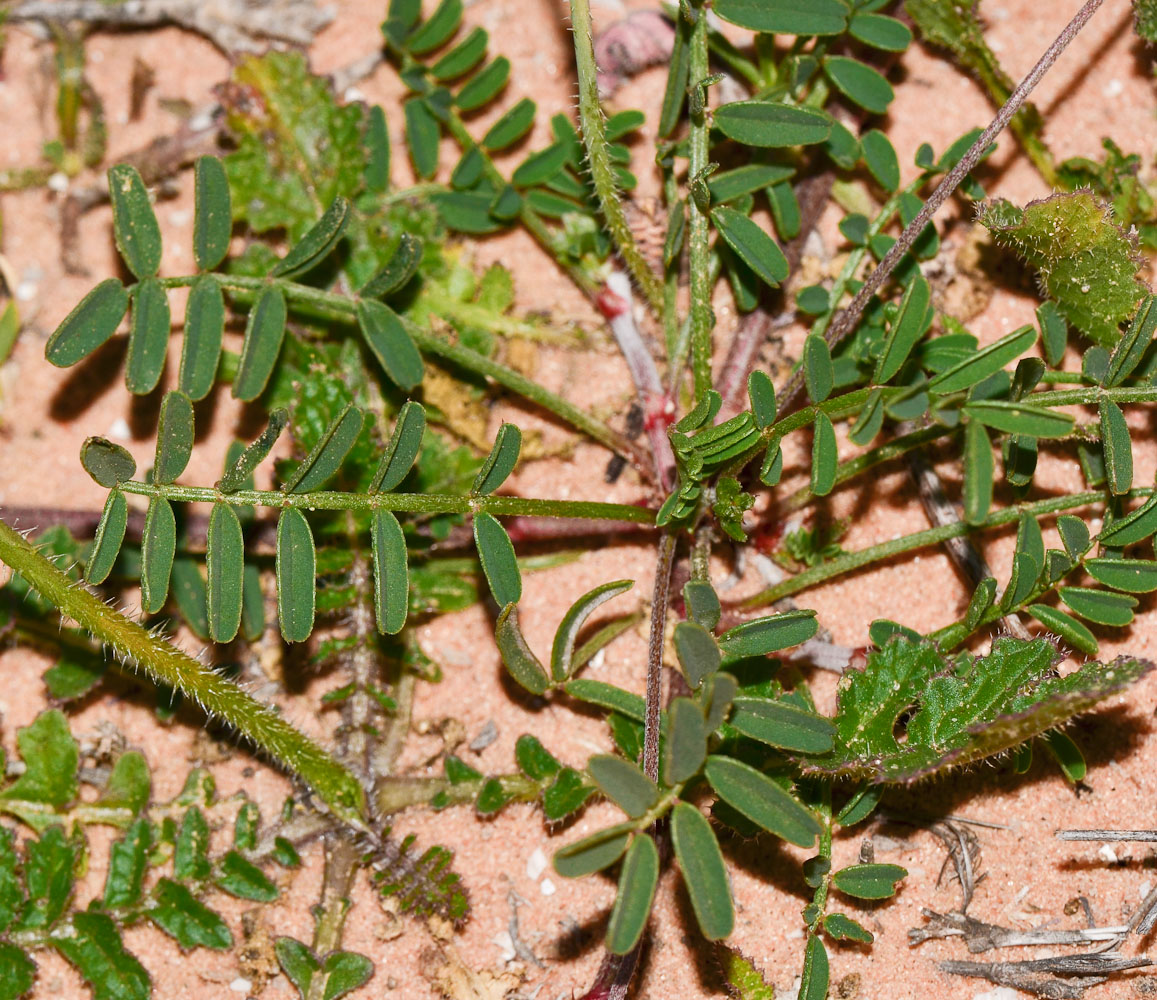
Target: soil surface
point(1101, 86)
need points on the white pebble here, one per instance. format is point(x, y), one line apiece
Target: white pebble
point(1114, 88)
point(240, 985)
point(535, 864)
point(119, 430)
point(58, 182)
point(505, 944)
point(546, 887)
point(1106, 853)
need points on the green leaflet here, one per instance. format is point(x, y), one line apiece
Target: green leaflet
point(138, 237)
point(1134, 527)
point(148, 337)
point(158, 546)
point(769, 634)
point(391, 344)
point(698, 652)
point(186, 919)
point(264, 333)
point(1020, 418)
point(462, 58)
point(637, 883)
point(1135, 576)
point(174, 437)
point(1100, 606)
point(1118, 449)
point(751, 245)
point(296, 572)
point(402, 450)
point(212, 213)
point(484, 86)
point(1087, 264)
point(377, 172)
point(704, 873)
point(562, 651)
point(910, 325)
point(327, 456)
point(869, 881)
point(965, 708)
point(761, 800)
point(825, 456)
point(511, 127)
point(607, 696)
point(979, 470)
point(225, 562)
point(524, 666)
point(93, 320)
point(109, 464)
point(317, 243)
point(238, 474)
point(818, 373)
point(1066, 626)
point(422, 136)
point(816, 975)
point(686, 744)
point(397, 271)
point(110, 535)
point(437, 29)
point(783, 725)
point(500, 462)
point(788, 17)
point(98, 954)
point(859, 83)
point(880, 32)
point(498, 560)
point(624, 784)
point(981, 364)
point(593, 853)
point(768, 124)
point(391, 579)
point(204, 329)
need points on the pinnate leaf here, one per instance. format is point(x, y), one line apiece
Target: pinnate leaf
point(960, 709)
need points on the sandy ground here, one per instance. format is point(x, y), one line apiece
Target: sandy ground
point(1102, 86)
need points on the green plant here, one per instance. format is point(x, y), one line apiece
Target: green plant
point(343, 330)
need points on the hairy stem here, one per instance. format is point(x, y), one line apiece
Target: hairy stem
point(341, 865)
point(698, 225)
point(920, 539)
point(598, 157)
point(415, 503)
point(659, 600)
point(163, 662)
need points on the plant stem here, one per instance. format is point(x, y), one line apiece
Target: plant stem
point(341, 865)
point(846, 322)
point(415, 503)
point(698, 225)
point(659, 600)
point(163, 662)
point(602, 170)
point(931, 536)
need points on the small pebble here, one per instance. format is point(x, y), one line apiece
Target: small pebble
point(240, 985)
point(535, 864)
point(1106, 853)
point(546, 887)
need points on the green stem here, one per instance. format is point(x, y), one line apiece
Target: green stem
point(340, 308)
point(602, 170)
point(416, 503)
point(698, 225)
point(921, 539)
point(166, 664)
